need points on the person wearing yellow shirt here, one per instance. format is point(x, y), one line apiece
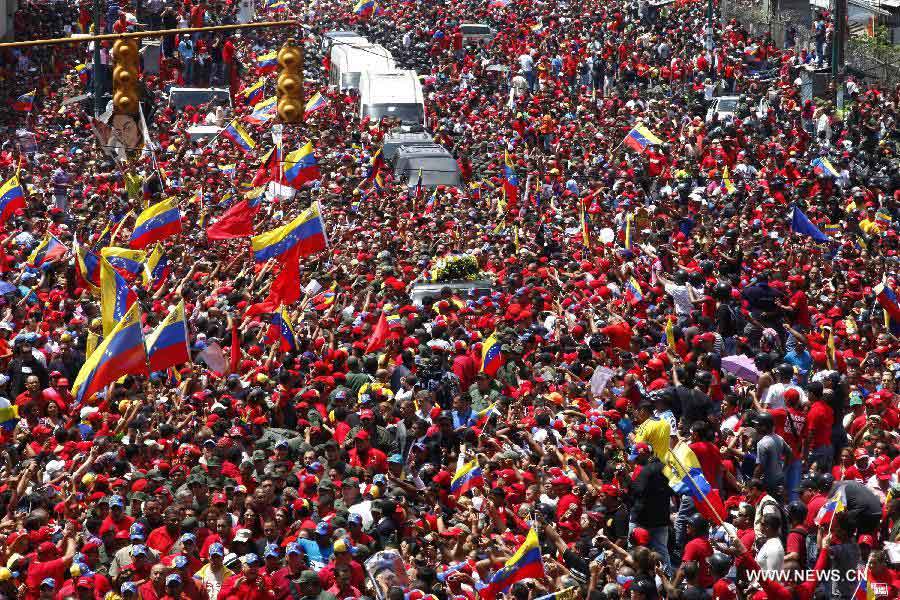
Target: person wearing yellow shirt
point(652, 430)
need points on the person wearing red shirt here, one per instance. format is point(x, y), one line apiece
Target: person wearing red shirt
point(365, 456)
point(619, 333)
point(164, 537)
point(48, 563)
point(117, 519)
point(819, 420)
point(698, 549)
point(198, 14)
point(249, 584)
point(568, 508)
point(342, 559)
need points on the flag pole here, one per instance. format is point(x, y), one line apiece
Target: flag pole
point(705, 499)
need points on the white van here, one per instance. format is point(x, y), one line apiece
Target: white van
point(396, 94)
point(349, 61)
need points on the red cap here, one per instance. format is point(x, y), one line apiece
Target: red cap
point(640, 536)
point(219, 498)
point(362, 434)
point(866, 539)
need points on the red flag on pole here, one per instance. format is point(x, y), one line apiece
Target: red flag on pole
point(235, 222)
point(379, 335)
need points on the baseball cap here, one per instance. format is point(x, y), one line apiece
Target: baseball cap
point(49, 582)
point(396, 459)
point(354, 519)
point(188, 537)
point(180, 561)
point(242, 535)
point(116, 501)
point(271, 551)
point(139, 549)
point(217, 549)
point(173, 579)
point(322, 528)
point(293, 548)
point(250, 559)
point(129, 588)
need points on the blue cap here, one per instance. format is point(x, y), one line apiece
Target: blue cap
point(49, 582)
point(180, 561)
point(217, 548)
point(138, 549)
point(293, 548)
point(129, 586)
point(271, 551)
point(322, 528)
point(379, 479)
point(173, 579)
point(116, 501)
point(136, 529)
point(355, 519)
point(282, 444)
point(188, 537)
point(250, 559)
point(397, 459)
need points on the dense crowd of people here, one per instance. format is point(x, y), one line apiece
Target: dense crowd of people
point(679, 379)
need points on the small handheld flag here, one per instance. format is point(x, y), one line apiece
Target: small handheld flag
point(640, 137)
point(239, 136)
point(467, 477)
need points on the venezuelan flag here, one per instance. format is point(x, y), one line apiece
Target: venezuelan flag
point(468, 476)
point(510, 180)
point(48, 250)
point(831, 229)
point(686, 477)
point(585, 230)
point(120, 353)
point(228, 170)
point(822, 166)
point(278, 7)
point(25, 102)
point(167, 346)
point(301, 166)
point(267, 62)
point(480, 418)
point(239, 136)
point(87, 266)
point(157, 267)
point(865, 590)
point(307, 231)
point(526, 563)
point(883, 219)
point(640, 137)
point(12, 198)
point(887, 298)
point(282, 331)
point(633, 290)
point(325, 299)
point(125, 259)
point(432, 201)
point(491, 359)
point(629, 218)
point(316, 103)
point(116, 296)
point(537, 28)
point(376, 163)
point(726, 181)
point(9, 415)
point(263, 112)
point(364, 6)
point(254, 93)
point(835, 504)
point(155, 223)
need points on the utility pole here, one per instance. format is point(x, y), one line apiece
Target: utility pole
point(710, 42)
point(839, 39)
point(98, 85)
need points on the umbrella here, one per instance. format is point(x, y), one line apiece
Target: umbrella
point(741, 365)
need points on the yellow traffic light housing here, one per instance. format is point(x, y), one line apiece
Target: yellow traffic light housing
point(291, 106)
point(126, 96)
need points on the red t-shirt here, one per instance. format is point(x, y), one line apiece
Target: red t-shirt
point(373, 459)
point(38, 571)
point(819, 421)
point(161, 540)
point(619, 334)
point(699, 549)
point(123, 524)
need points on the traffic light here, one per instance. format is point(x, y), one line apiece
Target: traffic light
point(290, 83)
point(126, 95)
